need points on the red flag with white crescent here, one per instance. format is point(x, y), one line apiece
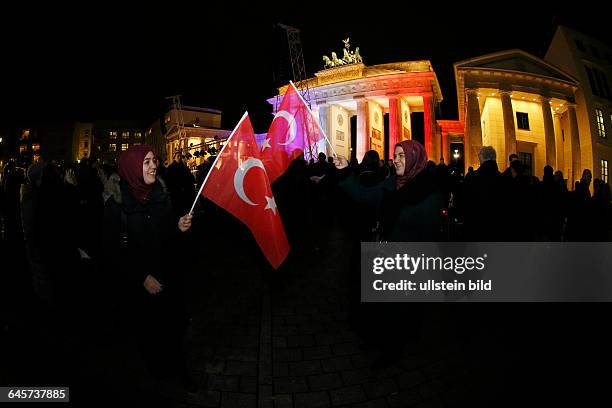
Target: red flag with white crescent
point(293, 129)
point(238, 183)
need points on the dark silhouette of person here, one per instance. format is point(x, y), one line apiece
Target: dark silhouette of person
point(12, 179)
point(511, 158)
point(181, 185)
point(580, 221)
point(521, 203)
point(583, 186)
point(550, 205)
point(483, 200)
point(560, 181)
point(602, 211)
point(322, 178)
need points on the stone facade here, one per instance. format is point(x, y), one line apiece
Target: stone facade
point(382, 98)
point(518, 103)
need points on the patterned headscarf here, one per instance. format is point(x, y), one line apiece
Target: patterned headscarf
point(130, 170)
point(416, 161)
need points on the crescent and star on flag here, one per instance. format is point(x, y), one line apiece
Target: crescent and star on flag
point(292, 129)
point(239, 175)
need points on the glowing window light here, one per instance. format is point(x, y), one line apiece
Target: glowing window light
point(600, 123)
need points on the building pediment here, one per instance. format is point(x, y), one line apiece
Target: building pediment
point(516, 61)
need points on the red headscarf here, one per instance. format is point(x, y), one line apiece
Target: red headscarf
point(416, 161)
point(130, 170)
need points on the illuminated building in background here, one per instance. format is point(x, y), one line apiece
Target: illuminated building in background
point(521, 104)
point(374, 107)
point(555, 111)
point(590, 61)
point(192, 132)
point(82, 141)
point(111, 137)
point(105, 140)
point(453, 151)
point(49, 141)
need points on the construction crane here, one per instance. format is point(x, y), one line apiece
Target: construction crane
point(299, 71)
point(180, 122)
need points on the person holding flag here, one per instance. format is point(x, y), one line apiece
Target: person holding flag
point(238, 182)
point(141, 229)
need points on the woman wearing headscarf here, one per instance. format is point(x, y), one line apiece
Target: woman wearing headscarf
point(411, 212)
point(140, 226)
point(408, 205)
point(362, 190)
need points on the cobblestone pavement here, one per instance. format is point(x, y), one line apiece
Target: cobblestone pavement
point(285, 339)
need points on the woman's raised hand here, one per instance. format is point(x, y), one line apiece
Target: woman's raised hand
point(340, 162)
point(152, 285)
point(70, 178)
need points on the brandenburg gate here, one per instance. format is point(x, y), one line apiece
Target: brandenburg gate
point(363, 108)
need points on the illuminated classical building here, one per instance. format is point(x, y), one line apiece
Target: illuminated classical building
point(189, 130)
point(519, 103)
point(200, 128)
point(590, 61)
point(373, 107)
point(511, 100)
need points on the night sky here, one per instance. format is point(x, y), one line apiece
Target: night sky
point(117, 63)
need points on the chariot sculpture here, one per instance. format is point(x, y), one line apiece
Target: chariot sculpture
point(348, 57)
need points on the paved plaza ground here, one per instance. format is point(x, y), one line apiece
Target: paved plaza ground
point(286, 339)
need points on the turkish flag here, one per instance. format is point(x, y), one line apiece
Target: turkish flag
point(238, 183)
point(293, 129)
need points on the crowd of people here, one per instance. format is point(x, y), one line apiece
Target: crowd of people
point(122, 220)
point(413, 199)
point(46, 203)
point(96, 236)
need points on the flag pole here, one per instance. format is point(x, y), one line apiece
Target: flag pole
point(318, 124)
point(246, 113)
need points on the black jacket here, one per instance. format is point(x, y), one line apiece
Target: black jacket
point(181, 187)
point(364, 193)
point(485, 204)
point(145, 238)
point(412, 213)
